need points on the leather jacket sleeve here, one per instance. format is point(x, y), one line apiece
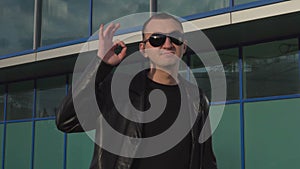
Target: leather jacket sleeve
point(208, 158)
point(66, 117)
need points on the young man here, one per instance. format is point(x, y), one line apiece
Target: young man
point(163, 44)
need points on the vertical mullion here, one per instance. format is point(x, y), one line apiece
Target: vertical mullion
point(33, 125)
point(241, 95)
point(37, 24)
point(91, 19)
point(65, 134)
point(4, 127)
point(231, 3)
point(152, 7)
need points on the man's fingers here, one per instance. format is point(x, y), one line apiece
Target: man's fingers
point(101, 31)
point(116, 27)
point(108, 30)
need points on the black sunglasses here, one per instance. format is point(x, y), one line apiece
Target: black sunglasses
point(158, 39)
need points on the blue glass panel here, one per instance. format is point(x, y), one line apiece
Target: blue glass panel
point(20, 100)
point(49, 94)
point(16, 18)
point(106, 11)
point(64, 21)
point(190, 7)
point(271, 69)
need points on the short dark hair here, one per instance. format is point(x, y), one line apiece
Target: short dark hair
point(160, 16)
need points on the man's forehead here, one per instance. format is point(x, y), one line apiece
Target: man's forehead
point(163, 26)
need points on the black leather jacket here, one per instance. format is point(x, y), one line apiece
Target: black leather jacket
point(67, 120)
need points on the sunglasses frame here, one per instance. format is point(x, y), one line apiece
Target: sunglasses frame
point(158, 39)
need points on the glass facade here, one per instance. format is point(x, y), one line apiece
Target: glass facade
point(71, 21)
point(239, 2)
point(272, 142)
point(190, 7)
point(106, 11)
point(271, 69)
point(229, 59)
point(16, 19)
point(64, 21)
point(245, 130)
point(50, 92)
point(259, 125)
point(20, 100)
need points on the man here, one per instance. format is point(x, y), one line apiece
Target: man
point(163, 44)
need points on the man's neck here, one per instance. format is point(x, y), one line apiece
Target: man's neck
point(163, 77)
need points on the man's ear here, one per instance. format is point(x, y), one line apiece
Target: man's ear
point(142, 49)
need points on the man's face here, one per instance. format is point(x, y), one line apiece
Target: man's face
point(169, 52)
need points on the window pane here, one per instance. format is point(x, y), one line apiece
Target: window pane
point(271, 69)
point(20, 100)
point(48, 145)
point(79, 150)
point(272, 134)
point(64, 21)
point(229, 59)
point(17, 32)
point(190, 7)
point(239, 2)
point(2, 96)
point(106, 11)
point(18, 145)
point(226, 138)
point(49, 94)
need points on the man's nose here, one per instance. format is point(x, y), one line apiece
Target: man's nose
point(168, 43)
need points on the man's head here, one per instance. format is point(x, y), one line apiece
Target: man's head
point(163, 41)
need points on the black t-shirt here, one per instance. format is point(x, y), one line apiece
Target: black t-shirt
point(177, 157)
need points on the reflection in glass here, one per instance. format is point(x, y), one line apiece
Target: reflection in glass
point(190, 7)
point(20, 100)
point(229, 59)
point(239, 2)
point(49, 94)
point(106, 11)
point(16, 18)
point(64, 21)
point(271, 69)
point(2, 95)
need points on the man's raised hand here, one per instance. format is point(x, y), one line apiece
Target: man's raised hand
point(106, 49)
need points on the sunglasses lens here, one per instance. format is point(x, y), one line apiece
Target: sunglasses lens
point(176, 41)
point(157, 40)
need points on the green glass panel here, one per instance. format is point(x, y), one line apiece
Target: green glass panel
point(49, 94)
point(226, 139)
point(16, 18)
point(271, 69)
point(190, 7)
point(18, 145)
point(20, 100)
point(1, 143)
point(272, 134)
point(79, 151)
point(2, 96)
point(106, 11)
point(64, 21)
point(48, 145)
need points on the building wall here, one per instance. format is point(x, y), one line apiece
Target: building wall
point(260, 123)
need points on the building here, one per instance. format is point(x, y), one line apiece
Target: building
point(258, 42)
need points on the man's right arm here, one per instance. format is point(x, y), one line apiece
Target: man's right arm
point(66, 118)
